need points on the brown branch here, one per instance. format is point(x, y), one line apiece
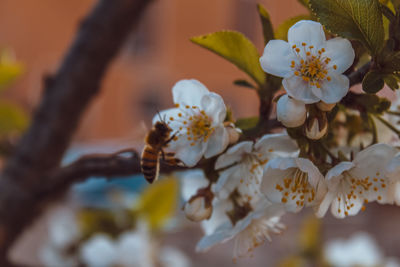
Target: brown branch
point(101, 165)
point(90, 165)
point(65, 98)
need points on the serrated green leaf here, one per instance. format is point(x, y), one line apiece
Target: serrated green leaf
point(360, 20)
point(12, 118)
point(282, 30)
point(243, 83)
point(373, 82)
point(268, 31)
point(158, 202)
point(236, 48)
point(247, 123)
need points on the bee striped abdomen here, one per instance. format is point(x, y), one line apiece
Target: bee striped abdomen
point(150, 163)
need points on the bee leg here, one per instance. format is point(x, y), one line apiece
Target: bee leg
point(170, 139)
point(170, 159)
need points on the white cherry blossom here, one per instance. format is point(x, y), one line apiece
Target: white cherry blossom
point(352, 184)
point(294, 182)
point(359, 250)
point(310, 65)
point(134, 248)
point(248, 160)
point(198, 122)
point(393, 173)
point(249, 232)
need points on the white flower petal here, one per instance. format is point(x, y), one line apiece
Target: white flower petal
point(299, 89)
point(324, 205)
point(376, 156)
point(279, 144)
point(187, 153)
point(339, 169)
point(219, 216)
point(188, 92)
point(277, 58)
point(393, 169)
point(171, 257)
point(165, 116)
point(217, 142)
point(214, 106)
point(191, 181)
point(221, 235)
point(334, 90)
point(234, 154)
point(340, 52)
point(314, 175)
point(227, 182)
point(98, 251)
point(306, 31)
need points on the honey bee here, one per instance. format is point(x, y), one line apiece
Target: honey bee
point(156, 140)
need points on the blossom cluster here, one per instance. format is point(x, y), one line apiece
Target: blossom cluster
point(253, 182)
point(68, 247)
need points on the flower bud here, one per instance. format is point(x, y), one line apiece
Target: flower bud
point(233, 133)
point(198, 208)
point(325, 106)
point(317, 127)
point(290, 112)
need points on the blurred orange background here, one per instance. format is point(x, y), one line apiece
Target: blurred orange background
point(156, 55)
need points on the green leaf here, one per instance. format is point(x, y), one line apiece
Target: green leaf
point(95, 221)
point(158, 202)
point(247, 123)
point(268, 32)
point(391, 81)
point(12, 118)
point(360, 20)
point(243, 83)
point(391, 62)
point(9, 69)
point(282, 30)
point(236, 48)
point(373, 82)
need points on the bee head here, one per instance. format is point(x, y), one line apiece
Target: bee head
point(162, 127)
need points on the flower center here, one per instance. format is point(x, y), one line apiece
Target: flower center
point(353, 188)
point(196, 122)
point(312, 66)
point(296, 188)
point(251, 177)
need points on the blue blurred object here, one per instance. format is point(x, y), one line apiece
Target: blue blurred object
point(94, 191)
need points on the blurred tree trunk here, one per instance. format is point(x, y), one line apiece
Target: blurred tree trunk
point(36, 159)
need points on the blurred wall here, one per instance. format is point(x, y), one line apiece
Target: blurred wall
point(155, 57)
